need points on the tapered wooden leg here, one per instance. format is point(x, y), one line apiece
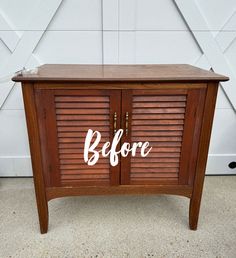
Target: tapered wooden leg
point(42, 203)
point(194, 208)
point(43, 216)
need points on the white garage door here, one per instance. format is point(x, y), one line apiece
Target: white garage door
point(35, 32)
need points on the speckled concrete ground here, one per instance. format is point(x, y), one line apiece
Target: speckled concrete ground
point(118, 226)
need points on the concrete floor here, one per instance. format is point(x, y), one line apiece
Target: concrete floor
point(118, 226)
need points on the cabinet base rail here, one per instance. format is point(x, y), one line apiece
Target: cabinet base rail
point(57, 192)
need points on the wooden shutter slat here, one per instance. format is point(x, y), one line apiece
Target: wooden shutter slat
point(155, 139)
point(160, 134)
point(102, 171)
point(159, 159)
point(74, 156)
point(76, 131)
point(157, 116)
point(82, 105)
point(81, 99)
point(62, 111)
point(158, 110)
point(154, 165)
point(77, 139)
point(162, 149)
point(80, 122)
point(159, 98)
point(158, 104)
point(145, 175)
point(85, 177)
point(158, 155)
point(158, 122)
point(81, 117)
point(165, 144)
point(75, 150)
point(154, 170)
point(75, 145)
point(82, 166)
point(80, 161)
point(157, 128)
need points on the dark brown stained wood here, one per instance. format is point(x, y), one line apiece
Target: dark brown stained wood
point(159, 100)
point(155, 164)
point(205, 135)
point(187, 152)
point(153, 170)
point(43, 140)
point(79, 139)
point(158, 122)
point(126, 107)
point(158, 181)
point(169, 138)
point(157, 116)
point(196, 136)
point(152, 73)
point(164, 136)
point(81, 99)
point(170, 106)
point(67, 136)
point(162, 86)
point(159, 110)
point(36, 157)
point(68, 132)
point(79, 161)
point(56, 192)
point(83, 118)
point(160, 159)
point(157, 127)
point(49, 121)
point(79, 169)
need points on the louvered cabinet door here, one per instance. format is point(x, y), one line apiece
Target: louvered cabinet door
point(64, 119)
point(170, 121)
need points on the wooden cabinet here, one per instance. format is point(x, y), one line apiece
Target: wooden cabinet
point(169, 106)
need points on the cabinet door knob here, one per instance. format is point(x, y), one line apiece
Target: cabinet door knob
point(126, 123)
point(115, 119)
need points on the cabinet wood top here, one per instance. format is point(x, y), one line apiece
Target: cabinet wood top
point(135, 73)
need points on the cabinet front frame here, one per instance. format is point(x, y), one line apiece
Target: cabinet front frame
point(122, 177)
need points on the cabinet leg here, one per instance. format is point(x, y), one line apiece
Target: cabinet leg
point(43, 216)
point(194, 209)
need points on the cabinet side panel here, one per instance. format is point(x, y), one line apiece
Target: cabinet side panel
point(47, 122)
point(192, 122)
point(41, 115)
point(196, 136)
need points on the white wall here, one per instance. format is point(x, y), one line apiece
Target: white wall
point(201, 32)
